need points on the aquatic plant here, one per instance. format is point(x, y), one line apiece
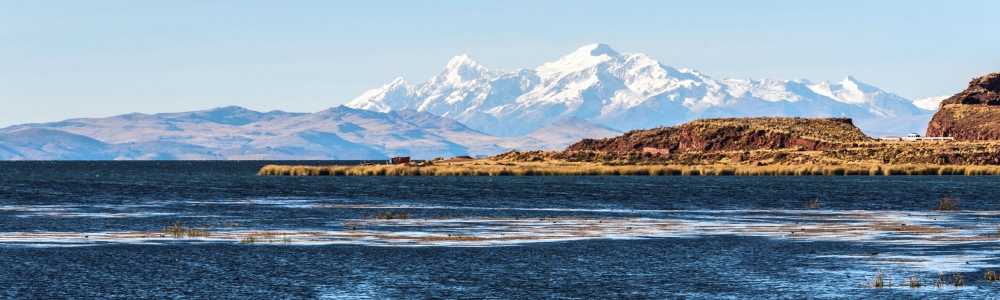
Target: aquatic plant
point(957, 279)
point(880, 280)
point(914, 282)
point(179, 231)
point(991, 275)
point(949, 203)
point(812, 204)
point(264, 237)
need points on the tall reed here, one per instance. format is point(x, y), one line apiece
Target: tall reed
point(591, 169)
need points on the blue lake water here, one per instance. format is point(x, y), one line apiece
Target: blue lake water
point(98, 229)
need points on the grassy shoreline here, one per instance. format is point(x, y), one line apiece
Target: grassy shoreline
point(491, 168)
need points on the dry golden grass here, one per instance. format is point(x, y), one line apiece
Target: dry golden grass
point(592, 169)
point(830, 130)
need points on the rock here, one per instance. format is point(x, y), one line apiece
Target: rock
point(729, 134)
point(973, 114)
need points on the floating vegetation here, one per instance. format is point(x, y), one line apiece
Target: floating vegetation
point(957, 280)
point(949, 203)
point(991, 275)
point(881, 279)
point(812, 204)
point(180, 231)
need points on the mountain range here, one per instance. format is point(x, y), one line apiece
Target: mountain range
point(623, 91)
point(593, 92)
point(241, 134)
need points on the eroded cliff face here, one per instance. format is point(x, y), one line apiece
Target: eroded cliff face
point(971, 115)
point(711, 135)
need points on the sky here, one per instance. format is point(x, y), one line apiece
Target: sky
point(70, 59)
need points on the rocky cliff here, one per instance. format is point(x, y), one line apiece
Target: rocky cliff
point(708, 135)
point(973, 114)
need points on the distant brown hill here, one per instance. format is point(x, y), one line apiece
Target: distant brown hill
point(971, 115)
point(729, 134)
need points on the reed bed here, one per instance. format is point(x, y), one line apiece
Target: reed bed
point(585, 169)
point(264, 237)
point(178, 230)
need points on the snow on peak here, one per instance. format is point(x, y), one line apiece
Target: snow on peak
point(385, 98)
point(854, 84)
point(599, 49)
point(397, 82)
point(462, 61)
point(583, 58)
point(622, 90)
point(930, 103)
point(463, 68)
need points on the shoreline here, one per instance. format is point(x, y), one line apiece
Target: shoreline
point(487, 167)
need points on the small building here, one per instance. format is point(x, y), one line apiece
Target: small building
point(402, 160)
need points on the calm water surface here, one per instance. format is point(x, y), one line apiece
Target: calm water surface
point(50, 199)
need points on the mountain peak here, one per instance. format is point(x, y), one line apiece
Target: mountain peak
point(463, 68)
point(462, 61)
point(593, 50)
point(852, 83)
point(599, 49)
point(584, 57)
point(398, 81)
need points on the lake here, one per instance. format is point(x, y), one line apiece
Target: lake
point(174, 229)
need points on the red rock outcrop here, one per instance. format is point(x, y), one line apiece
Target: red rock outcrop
point(733, 134)
point(973, 114)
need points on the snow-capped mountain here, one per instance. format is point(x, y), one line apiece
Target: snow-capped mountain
point(930, 103)
point(621, 90)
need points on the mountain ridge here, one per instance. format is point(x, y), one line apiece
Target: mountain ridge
point(234, 132)
point(621, 90)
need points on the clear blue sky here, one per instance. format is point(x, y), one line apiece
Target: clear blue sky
point(69, 59)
